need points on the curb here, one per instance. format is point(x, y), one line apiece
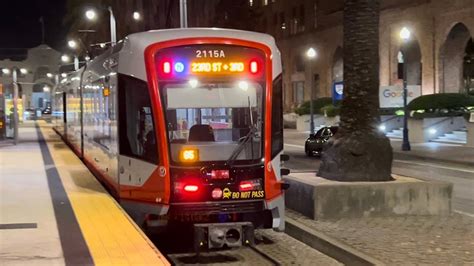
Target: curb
point(328, 245)
point(404, 155)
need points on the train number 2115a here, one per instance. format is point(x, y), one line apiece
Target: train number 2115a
point(210, 54)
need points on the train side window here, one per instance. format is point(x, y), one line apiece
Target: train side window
point(136, 126)
point(277, 117)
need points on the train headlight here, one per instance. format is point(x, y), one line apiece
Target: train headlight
point(189, 155)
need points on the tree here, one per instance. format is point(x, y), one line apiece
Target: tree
point(359, 151)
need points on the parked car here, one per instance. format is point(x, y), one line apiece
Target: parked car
point(47, 110)
point(314, 144)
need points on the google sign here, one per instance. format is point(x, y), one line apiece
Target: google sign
point(392, 96)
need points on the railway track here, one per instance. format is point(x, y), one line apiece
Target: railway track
point(271, 248)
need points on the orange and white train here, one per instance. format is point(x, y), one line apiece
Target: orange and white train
point(184, 125)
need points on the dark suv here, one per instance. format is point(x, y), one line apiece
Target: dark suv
point(314, 144)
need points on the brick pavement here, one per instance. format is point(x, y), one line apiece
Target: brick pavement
point(433, 240)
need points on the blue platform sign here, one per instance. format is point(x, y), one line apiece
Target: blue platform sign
point(337, 91)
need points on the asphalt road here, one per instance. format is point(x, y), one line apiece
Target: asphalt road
point(461, 176)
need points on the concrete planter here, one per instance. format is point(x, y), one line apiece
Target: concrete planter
point(321, 199)
point(302, 122)
point(424, 130)
point(470, 134)
point(289, 120)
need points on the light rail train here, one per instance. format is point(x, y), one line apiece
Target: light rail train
point(184, 126)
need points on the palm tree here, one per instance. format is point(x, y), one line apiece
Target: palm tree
point(359, 151)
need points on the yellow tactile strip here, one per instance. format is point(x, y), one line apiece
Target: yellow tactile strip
point(112, 237)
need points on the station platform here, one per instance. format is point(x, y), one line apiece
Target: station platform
point(54, 212)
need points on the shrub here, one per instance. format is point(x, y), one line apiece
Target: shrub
point(442, 104)
point(317, 105)
point(331, 110)
point(450, 101)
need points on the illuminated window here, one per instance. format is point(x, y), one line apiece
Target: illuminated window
point(265, 2)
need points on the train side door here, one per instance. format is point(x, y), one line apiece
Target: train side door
point(138, 153)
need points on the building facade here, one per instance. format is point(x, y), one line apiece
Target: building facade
point(35, 76)
point(437, 54)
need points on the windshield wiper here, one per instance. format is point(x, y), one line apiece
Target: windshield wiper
point(240, 148)
point(249, 136)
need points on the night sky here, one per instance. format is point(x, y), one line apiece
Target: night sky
point(20, 26)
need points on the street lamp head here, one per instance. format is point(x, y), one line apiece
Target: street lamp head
point(311, 53)
point(405, 33)
point(46, 88)
point(49, 75)
point(6, 71)
point(87, 58)
point(23, 71)
point(72, 44)
point(63, 75)
point(65, 58)
point(91, 14)
point(136, 15)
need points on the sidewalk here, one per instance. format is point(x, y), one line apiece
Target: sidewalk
point(430, 151)
point(54, 212)
point(409, 240)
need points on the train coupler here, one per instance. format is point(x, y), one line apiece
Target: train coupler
point(218, 235)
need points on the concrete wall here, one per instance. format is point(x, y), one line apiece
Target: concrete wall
point(419, 129)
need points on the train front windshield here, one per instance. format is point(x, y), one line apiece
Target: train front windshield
point(214, 105)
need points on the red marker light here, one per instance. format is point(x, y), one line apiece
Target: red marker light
point(219, 174)
point(191, 188)
point(166, 67)
point(246, 186)
point(253, 67)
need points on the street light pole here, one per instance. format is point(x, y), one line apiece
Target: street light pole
point(183, 13)
point(406, 142)
point(15, 106)
point(113, 27)
point(311, 123)
point(311, 53)
point(405, 35)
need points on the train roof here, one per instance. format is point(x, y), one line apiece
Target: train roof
point(135, 44)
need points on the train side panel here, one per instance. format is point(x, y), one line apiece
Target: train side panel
point(73, 111)
point(100, 120)
point(59, 105)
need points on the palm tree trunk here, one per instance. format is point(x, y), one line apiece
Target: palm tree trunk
point(359, 151)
